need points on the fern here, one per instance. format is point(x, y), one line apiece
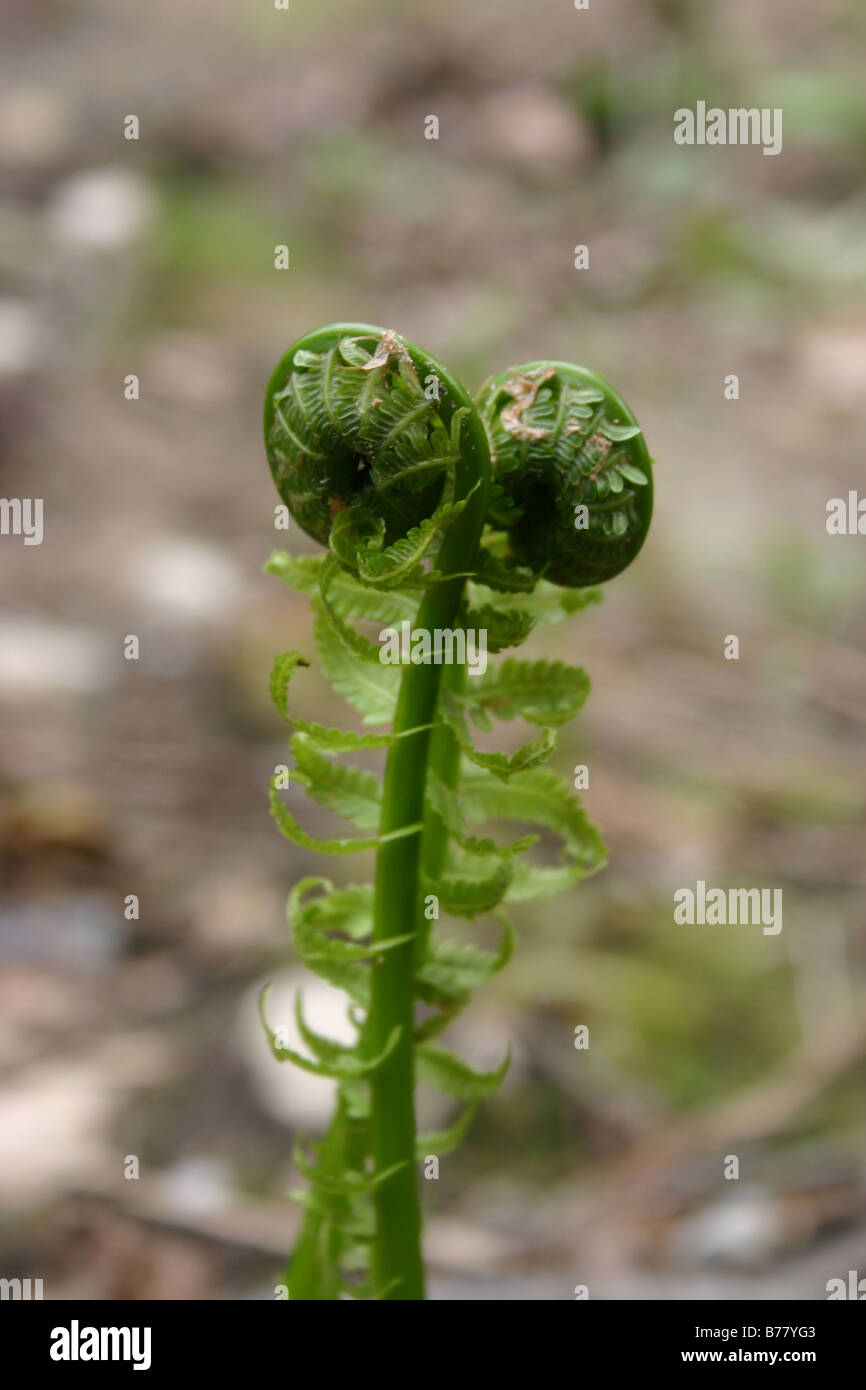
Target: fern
point(395, 478)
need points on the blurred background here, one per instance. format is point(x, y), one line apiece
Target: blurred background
point(137, 1037)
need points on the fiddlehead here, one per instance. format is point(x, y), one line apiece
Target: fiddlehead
point(380, 454)
point(574, 471)
point(352, 421)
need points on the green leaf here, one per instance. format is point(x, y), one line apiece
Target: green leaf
point(347, 595)
point(350, 1064)
point(325, 1049)
point(355, 1098)
point(345, 1221)
point(585, 395)
point(467, 897)
point(348, 910)
point(342, 740)
point(311, 1277)
point(454, 968)
point(354, 640)
point(315, 947)
point(326, 740)
point(548, 603)
point(298, 572)
point(352, 353)
point(632, 473)
point(284, 667)
point(532, 754)
point(349, 976)
point(503, 512)
point(542, 798)
point(442, 1070)
point(371, 690)
point(504, 627)
point(348, 791)
point(444, 803)
point(542, 692)
point(440, 1142)
point(503, 765)
point(618, 434)
point(288, 826)
point(530, 882)
point(350, 1182)
point(400, 563)
point(501, 573)
point(447, 805)
point(349, 598)
point(472, 845)
point(355, 531)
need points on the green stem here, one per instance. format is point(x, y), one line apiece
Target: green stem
point(444, 760)
point(397, 1263)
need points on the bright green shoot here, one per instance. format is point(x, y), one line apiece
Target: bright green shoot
point(454, 526)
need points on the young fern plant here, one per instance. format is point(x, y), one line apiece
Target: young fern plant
point(442, 516)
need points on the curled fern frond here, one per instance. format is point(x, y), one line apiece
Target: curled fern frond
point(574, 470)
point(348, 422)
